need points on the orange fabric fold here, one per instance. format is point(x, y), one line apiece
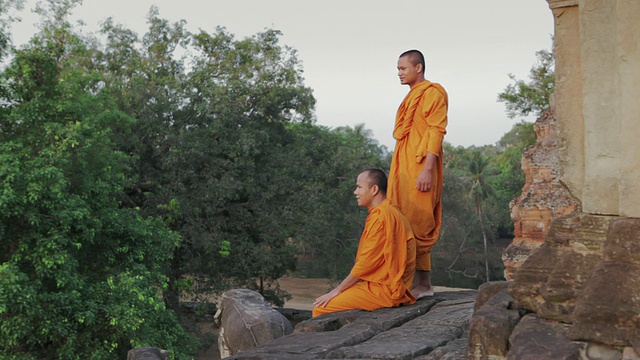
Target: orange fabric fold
point(420, 127)
point(385, 262)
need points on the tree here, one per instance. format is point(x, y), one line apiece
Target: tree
point(521, 98)
point(212, 148)
point(478, 171)
point(487, 178)
point(466, 254)
point(5, 7)
point(328, 221)
point(80, 275)
point(454, 255)
point(509, 179)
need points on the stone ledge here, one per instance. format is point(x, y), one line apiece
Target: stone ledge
point(432, 328)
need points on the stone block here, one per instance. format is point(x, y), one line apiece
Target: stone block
point(488, 290)
point(608, 310)
point(247, 321)
point(444, 323)
point(535, 338)
point(491, 326)
point(147, 353)
point(551, 279)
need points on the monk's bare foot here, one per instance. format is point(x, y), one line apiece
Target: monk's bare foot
point(421, 291)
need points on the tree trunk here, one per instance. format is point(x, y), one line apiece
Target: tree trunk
point(484, 239)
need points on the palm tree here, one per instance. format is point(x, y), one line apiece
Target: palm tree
point(478, 171)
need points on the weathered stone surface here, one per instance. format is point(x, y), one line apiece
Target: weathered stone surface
point(629, 353)
point(400, 333)
point(597, 351)
point(453, 350)
point(491, 326)
point(247, 321)
point(313, 344)
point(635, 344)
point(518, 251)
point(318, 336)
point(535, 338)
point(488, 290)
point(383, 318)
point(444, 323)
point(333, 321)
point(455, 312)
point(567, 278)
point(623, 241)
point(549, 281)
point(401, 343)
point(295, 315)
point(610, 74)
point(608, 310)
point(147, 353)
point(543, 198)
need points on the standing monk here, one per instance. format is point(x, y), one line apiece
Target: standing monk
point(415, 179)
point(383, 272)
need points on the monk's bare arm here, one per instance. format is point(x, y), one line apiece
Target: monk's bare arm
point(348, 282)
point(423, 183)
point(435, 107)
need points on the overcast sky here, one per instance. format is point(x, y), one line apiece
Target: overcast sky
point(349, 50)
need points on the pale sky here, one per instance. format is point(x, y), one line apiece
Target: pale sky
point(349, 49)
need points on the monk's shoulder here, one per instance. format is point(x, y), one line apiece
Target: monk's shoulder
point(437, 90)
point(383, 211)
point(391, 211)
point(378, 211)
point(376, 218)
point(398, 215)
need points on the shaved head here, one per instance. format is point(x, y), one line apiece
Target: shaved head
point(415, 57)
point(377, 177)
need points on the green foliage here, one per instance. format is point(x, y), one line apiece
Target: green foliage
point(475, 225)
point(328, 220)
point(213, 138)
point(467, 254)
point(509, 179)
point(80, 275)
point(5, 21)
point(522, 98)
point(236, 150)
point(479, 185)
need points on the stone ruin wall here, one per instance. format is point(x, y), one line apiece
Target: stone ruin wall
point(543, 196)
point(575, 261)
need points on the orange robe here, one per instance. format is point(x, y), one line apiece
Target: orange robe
point(385, 263)
point(420, 127)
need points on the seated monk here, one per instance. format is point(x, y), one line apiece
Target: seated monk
point(382, 275)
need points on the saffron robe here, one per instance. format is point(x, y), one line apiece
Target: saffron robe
point(385, 264)
point(420, 127)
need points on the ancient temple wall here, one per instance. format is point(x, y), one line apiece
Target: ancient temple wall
point(569, 89)
point(628, 53)
point(600, 107)
point(582, 283)
point(597, 48)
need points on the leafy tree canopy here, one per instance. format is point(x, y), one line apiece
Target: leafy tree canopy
point(523, 98)
point(80, 275)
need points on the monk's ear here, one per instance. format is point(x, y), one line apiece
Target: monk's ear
point(419, 68)
point(376, 189)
